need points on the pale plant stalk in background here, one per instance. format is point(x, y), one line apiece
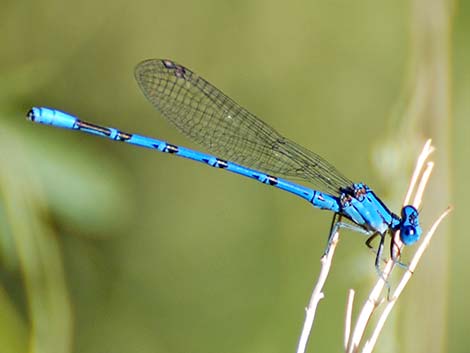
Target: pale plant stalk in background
point(49, 324)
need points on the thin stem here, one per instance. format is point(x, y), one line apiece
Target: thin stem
point(373, 301)
point(370, 344)
point(348, 318)
point(317, 295)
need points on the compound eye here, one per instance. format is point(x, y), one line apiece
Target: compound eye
point(408, 235)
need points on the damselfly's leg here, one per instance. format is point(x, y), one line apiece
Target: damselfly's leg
point(371, 247)
point(378, 257)
point(333, 230)
point(380, 249)
point(336, 225)
point(395, 255)
point(370, 239)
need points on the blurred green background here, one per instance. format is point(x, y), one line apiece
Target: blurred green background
point(108, 248)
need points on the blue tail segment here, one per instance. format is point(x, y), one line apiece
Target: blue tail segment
point(58, 118)
point(247, 146)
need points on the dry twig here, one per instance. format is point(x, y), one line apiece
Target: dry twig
point(352, 342)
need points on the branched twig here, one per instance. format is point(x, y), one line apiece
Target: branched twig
point(370, 344)
point(373, 299)
point(352, 342)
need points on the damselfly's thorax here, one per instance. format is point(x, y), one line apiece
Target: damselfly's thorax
point(361, 205)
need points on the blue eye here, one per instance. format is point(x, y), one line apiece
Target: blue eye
point(408, 235)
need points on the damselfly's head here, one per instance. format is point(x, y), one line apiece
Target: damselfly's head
point(410, 230)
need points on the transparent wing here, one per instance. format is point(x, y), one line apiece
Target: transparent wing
point(210, 118)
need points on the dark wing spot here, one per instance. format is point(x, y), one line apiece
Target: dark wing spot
point(168, 64)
